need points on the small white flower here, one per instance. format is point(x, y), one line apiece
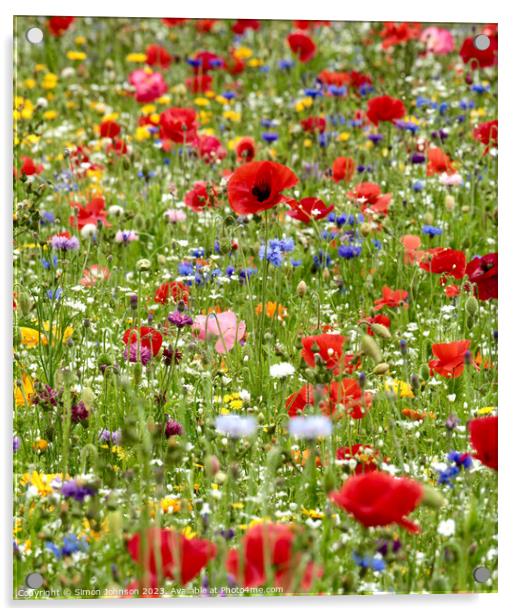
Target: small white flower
point(310, 427)
point(115, 210)
point(447, 528)
point(282, 370)
point(89, 231)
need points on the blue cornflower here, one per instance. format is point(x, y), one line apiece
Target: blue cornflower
point(377, 244)
point(349, 252)
point(337, 90)
point(229, 271)
point(376, 563)
point(418, 186)
point(431, 231)
point(285, 64)
point(47, 217)
point(321, 260)
point(313, 92)
point(365, 88)
point(269, 137)
point(55, 294)
point(185, 268)
point(197, 252)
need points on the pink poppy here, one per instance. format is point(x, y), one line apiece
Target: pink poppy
point(223, 326)
point(148, 85)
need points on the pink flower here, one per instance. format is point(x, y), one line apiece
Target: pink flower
point(437, 40)
point(148, 85)
point(223, 326)
point(174, 216)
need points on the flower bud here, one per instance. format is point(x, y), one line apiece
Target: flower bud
point(428, 218)
point(471, 305)
point(432, 498)
point(381, 330)
point(381, 369)
point(450, 202)
point(370, 347)
point(302, 288)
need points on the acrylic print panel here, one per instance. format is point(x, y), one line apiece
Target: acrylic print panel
point(255, 306)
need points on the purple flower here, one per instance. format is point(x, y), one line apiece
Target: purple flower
point(135, 354)
point(180, 319)
point(16, 443)
point(79, 412)
point(63, 242)
point(173, 428)
point(105, 436)
point(77, 490)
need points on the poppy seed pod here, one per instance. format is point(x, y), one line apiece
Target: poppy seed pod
point(370, 347)
point(428, 218)
point(382, 368)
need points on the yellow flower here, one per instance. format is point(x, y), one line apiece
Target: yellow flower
point(80, 40)
point(486, 410)
point(142, 133)
point(170, 505)
point(344, 136)
point(30, 83)
point(303, 104)
point(66, 333)
point(312, 513)
point(50, 81)
point(147, 109)
point(76, 55)
point(399, 388)
point(242, 53)
point(50, 115)
point(307, 143)
point(188, 532)
point(29, 337)
point(23, 393)
point(136, 57)
point(255, 62)
point(23, 108)
point(201, 101)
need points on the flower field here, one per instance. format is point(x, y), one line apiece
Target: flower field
point(255, 308)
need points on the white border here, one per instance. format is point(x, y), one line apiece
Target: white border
point(501, 11)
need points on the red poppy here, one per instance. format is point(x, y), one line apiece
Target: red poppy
point(357, 80)
point(175, 291)
point(482, 271)
point(245, 150)
point(257, 186)
point(59, 25)
point(178, 124)
point(209, 148)
point(391, 299)
point(205, 25)
point(234, 65)
point(411, 244)
point(90, 214)
point(109, 129)
point(147, 337)
point(438, 162)
point(199, 83)
point(271, 546)
point(486, 133)
point(302, 45)
point(178, 554)
point(156, 55)
point(349, 394)
point(365, 456)
point(309, 24)
point(479, 58)
point(207, 61)
point(240, 26)
point(329, 347)
point(397, 34)
point(29, 167)
point(343, 169)
point(379, 499)
point(314, 124)
point(370, 198)
point(452, 290)
point(308, 209)
point(118, 146)
point(483, 438)
point(171, 22)
point(334, 78)
point(297, 402)
point(444, 261)
point(381, 319)
point(451, 357)
point(202, 195)
point(385, 109)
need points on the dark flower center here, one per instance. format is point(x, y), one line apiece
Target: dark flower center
point(261, 192)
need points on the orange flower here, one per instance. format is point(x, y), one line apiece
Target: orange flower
point(273, 309)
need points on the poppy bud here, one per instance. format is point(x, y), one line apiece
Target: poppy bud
point(450, 202)
point(211, 465)
point(428, 218)
point(424, 372)
point(439, 584)
point(25, 303)
point(365, 229)
point(381, 369)
point(432, 498)
point(370, 347)
point(139, 222)
point(326, 274)
point(115, 523)
point(471, 305)
point(143, 265)
point(302, 288)
point(381, 330)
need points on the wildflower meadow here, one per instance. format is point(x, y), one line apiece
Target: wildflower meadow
point(255, 308)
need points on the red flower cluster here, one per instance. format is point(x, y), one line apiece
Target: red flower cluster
point(370, 198)
point(479, 58)
point(399, 33)
point(391, 299)
point(444, 261)
point(385, 109)
point(201, 196)
point(302, 45)
point(171, 554)
point(270, 546)
point(486, 133)
point(148, 338)
point(90, 214)
point(175, 291)
point(178, 124)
